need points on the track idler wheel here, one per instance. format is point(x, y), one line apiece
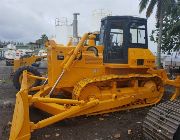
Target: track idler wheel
point(90, 91)
point(156, 88)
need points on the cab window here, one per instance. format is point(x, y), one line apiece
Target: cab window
point(137, 34)
point(116, 36)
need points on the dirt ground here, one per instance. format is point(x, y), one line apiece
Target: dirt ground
point(124, 125)
point(100, 127)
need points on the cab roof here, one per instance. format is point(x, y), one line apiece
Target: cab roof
point(129, 18)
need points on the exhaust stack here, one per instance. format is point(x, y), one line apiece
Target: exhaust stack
point(75, 29)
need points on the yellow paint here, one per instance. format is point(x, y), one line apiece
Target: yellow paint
point(94, 87)
point(25, 61)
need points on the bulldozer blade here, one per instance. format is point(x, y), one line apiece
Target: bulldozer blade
point(20, 129)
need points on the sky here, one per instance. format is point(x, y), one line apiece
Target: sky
point(27, 20)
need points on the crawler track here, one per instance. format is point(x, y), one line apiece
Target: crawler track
point(163, 122)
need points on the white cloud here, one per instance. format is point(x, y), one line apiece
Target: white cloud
point(26, 20)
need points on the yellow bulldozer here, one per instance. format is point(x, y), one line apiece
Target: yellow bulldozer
point(29, 63)
point(106, 72)
point(26, 61)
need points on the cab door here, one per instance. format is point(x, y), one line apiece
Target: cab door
point(115, 48)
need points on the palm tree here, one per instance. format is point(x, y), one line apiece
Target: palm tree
point(44, 38)
point(175, 29)
point(162, 7)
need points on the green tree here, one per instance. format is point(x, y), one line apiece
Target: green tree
point(42, 40)
point(162, 7)
point(175, 29)
point(171, 30)
point(176, 12)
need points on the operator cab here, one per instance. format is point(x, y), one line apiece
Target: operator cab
point(118, 33)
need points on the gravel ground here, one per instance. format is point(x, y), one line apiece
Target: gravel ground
point(124, 125)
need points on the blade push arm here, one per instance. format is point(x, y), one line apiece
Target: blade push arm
point(69, 61)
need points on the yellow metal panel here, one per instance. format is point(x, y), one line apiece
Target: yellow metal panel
point(139, 53)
